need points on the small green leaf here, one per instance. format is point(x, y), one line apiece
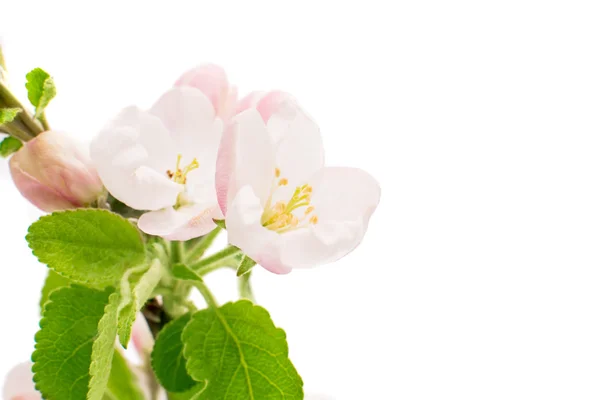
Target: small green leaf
point(245, 265)
point(9, 146)
point(134, 294)
point(93, 247)
point(74, 343)
point(53, 281)
point(181, 271)
point(241, 354)
point(8, 114)
point(167, 357)
point(220, 223)
point(103, 349)
point(40, 90)
point(122, 384)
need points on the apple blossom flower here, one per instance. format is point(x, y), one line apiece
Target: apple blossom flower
point(163, 161)
point(18, 384)
point(211, 80)
point(54, 173)
point(283, 208)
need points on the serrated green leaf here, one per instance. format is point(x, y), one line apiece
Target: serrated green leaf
point(103, 349)
point(8, 114)
point(40, 90)
point(245, 265)
point(93, 247)
point(134, 294)
point(167, 357)
point(122, 384)
point(53, 281)
point(71, 350)
point(241, 354)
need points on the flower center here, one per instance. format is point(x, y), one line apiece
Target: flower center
point(280, 217)
point(180, 174)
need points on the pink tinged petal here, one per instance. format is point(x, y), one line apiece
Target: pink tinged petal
point(141, 336)
point(298, 141)
point(250, 101)
point(43, 197)
point(54, 172)
point(190, 118)
point(344, 200)
point(269, 103)
point(244, 230)
point(19, 385)
point(211, 80)
point(133, 154)
point(246, 157)
point(185, 223)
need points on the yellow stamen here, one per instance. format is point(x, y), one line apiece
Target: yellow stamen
point(180, 175)
point(280, 216)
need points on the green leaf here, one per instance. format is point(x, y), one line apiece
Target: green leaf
point(9, 146)
point(134, 294)
point(103, 349)
point(245, 265)
point(167, 357)
point(122, 384)
point(93, 247)
point(181, 271)
point(241, 354)
point(8, 114)
point(194, 393)
point(220, 223)
point(40, 90)
point(53, 281)
point(75, 345)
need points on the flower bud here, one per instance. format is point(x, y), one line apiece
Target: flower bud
point(54, 173)
point(19, 384)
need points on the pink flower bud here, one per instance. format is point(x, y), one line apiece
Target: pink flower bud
point(19, 384)
point(54, 173)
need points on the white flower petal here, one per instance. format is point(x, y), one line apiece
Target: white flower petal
point(185, 223)
point(344, 194)
point(246, 157)
point(299, 146)
point(245, 231)
point(344, 200)
point(19, 384)
point(189, 117)
point(132, 155)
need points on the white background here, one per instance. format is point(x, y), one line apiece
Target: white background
point(480, 275)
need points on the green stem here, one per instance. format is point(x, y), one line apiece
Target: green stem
point(245, 287)
point(221, 259)
point(11, 101)
point(176, 252)
point(14, 131)
point(44, 122)
point(198, 250)
point(206, 293)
